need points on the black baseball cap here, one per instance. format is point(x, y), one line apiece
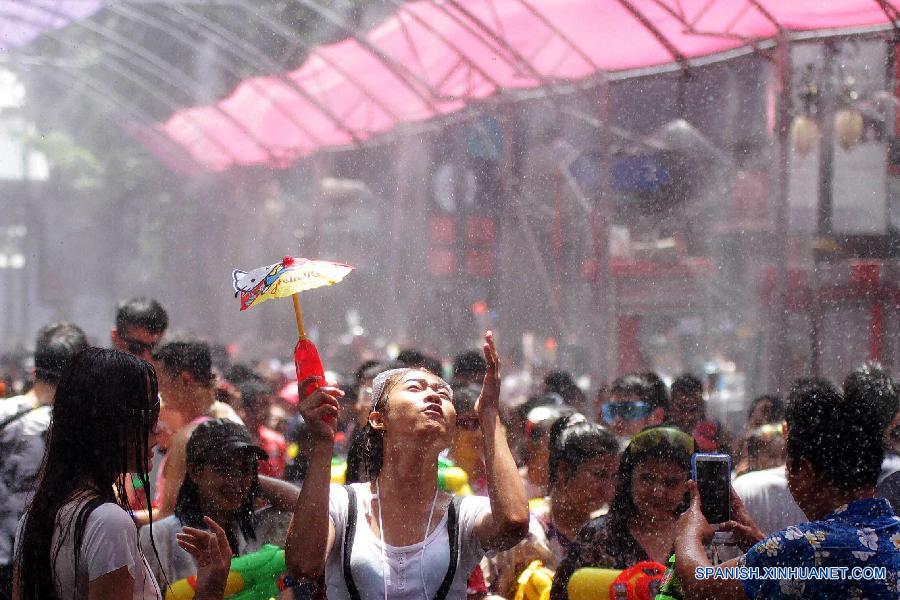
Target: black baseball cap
point(214, 437)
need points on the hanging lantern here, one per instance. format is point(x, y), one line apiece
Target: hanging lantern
point(848, 127)
point(804, 134)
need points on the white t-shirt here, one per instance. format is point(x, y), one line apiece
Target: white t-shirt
point(405, 574)
point(110, 542)
point(767, 498)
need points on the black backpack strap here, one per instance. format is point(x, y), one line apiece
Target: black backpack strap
point(453, 533)
point(347, 549)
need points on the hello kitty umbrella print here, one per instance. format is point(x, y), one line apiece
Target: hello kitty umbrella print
point(288, 278)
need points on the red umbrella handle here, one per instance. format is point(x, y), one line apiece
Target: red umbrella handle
point(308, 364)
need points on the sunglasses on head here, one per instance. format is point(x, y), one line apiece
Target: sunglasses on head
point(629, 411)
point(661, 436)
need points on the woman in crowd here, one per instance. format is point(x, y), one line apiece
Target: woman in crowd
point(650, 494)
point(397, 536)
point(78, 538)
point(536, 450)
point(222, 482)
point(582, 468)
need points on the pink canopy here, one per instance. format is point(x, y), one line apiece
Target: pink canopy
point(432, 58)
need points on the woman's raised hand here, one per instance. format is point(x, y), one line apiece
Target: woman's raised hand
point(320, 408)
point(489, 400)
point(212, 554)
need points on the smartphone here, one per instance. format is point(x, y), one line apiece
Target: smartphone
point(712, 473)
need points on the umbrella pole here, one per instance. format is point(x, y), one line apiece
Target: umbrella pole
point(299, 315)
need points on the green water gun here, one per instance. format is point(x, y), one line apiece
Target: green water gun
point(671, 585)
point(260, 575)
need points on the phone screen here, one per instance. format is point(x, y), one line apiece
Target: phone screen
point(713, 477)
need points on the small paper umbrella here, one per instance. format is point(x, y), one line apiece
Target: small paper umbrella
point(288, 278)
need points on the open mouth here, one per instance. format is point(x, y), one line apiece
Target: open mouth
point(434, 410)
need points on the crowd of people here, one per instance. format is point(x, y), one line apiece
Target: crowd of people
point(124, 470)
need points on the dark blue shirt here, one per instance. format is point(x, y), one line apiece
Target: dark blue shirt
point(864, 533)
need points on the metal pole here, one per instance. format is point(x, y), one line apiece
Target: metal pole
point(779, 321)
point(824, 230)
point(603, 291)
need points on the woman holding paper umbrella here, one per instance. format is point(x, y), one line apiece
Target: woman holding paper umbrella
point(399, 536)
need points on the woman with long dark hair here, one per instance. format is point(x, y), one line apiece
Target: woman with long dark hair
point(651, 489)
point(78, 538)
point(397, 535)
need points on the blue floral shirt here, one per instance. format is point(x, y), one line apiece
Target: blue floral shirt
point(852, 553)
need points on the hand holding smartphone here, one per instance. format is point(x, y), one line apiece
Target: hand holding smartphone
point(712, 473)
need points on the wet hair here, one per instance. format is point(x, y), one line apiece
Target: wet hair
point(410, 357)
point(561, 382)
point(777, 407)
point(362, 371)
point(188, 355)
point(659, 395)
point(253, 392)
point(190, 510)
point(469, 364)
point(240, 373)
point(141, 312)
point(687, 385)
point(835, 435)
point(637, 385)
point(55, 347)
point(574, 441)
point(873, 389)
point(105, 406)
point(622, 507)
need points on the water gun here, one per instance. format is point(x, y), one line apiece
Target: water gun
point(640, 582)
point(260, 575)
point(671, 588)
point(451, 478)
point(534, 582)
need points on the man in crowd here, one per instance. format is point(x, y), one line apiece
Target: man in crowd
point(24, 421)
point(187, 388)
point(635, 402)
point(468, 367)
point(140, 325)
point(765, 493)
point(871, 386)
point(256, 399)
point(834, 456)
point(687, 411)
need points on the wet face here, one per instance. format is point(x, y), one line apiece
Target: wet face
point(594, 482)
point(137, 341)
point(657, 488)
point(626, 415)
point(419, 406)
point(224, 484)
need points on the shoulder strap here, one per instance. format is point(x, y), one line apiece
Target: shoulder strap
point(453, 533)
point(14, 417)
point(349, 533)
